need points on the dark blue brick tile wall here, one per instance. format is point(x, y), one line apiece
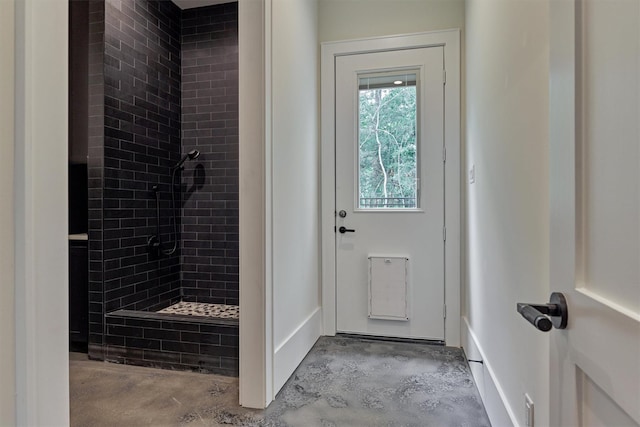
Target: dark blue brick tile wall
point(95, 161)
point(163, 342)
point(210, 125)
point(141, 143)
point(141, 90)
point(134, 138)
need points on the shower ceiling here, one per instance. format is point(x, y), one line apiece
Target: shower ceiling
point(189, 4)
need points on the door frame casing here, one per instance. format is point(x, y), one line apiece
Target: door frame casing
point(40, 205)
point(450, 40)
point(7, 218)
point(256, 286)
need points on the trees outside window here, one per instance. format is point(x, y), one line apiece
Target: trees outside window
point(388, 147)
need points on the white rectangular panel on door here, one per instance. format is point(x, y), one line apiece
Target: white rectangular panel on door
point(388, 288)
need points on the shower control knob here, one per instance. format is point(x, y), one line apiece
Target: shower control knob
point(153, 243)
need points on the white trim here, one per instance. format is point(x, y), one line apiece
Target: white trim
point(493, 396)
point(270, 392)
point(562, 196)
point(624, 311)
point(256, 337)
point(295, 347)
point(41, 218)
point(450, 40)
point(7, 219)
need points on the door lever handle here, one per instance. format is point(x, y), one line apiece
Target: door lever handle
point(544, 316)
point(344, 229)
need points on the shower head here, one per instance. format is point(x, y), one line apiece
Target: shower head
point(193, 154)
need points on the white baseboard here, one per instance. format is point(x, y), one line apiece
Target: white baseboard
point(493, 396)
point(294, 348)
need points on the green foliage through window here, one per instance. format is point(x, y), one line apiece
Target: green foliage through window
point(388, 145)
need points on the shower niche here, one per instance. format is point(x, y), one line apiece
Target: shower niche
point(163, 185)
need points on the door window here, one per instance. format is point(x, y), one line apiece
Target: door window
point(388, 140)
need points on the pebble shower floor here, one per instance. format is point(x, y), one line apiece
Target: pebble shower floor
point(220, 311)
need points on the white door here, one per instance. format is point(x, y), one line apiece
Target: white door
point(595, 211)
point(390, 193)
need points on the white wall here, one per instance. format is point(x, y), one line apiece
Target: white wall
point(349, 19)
point(7, 320)
point(41, 251)
point(294, 183)
point(507, 45)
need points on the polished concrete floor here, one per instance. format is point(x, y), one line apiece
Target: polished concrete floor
point(343, 381)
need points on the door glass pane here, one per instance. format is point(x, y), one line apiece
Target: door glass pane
point(387, 141)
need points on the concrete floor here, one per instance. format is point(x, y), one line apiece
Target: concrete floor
point(106, 394)
point(342, 382)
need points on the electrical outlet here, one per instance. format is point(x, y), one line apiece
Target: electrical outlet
point(472, 174)
point(528, 411)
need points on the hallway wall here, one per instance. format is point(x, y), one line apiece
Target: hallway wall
point(343, 20)
point(295, 184)
point(507, 47)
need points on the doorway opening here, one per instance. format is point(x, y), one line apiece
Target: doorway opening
point(154, 132)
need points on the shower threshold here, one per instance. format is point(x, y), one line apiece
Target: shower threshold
point(199, 337)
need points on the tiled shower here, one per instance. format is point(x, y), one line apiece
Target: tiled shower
point(162, 82)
